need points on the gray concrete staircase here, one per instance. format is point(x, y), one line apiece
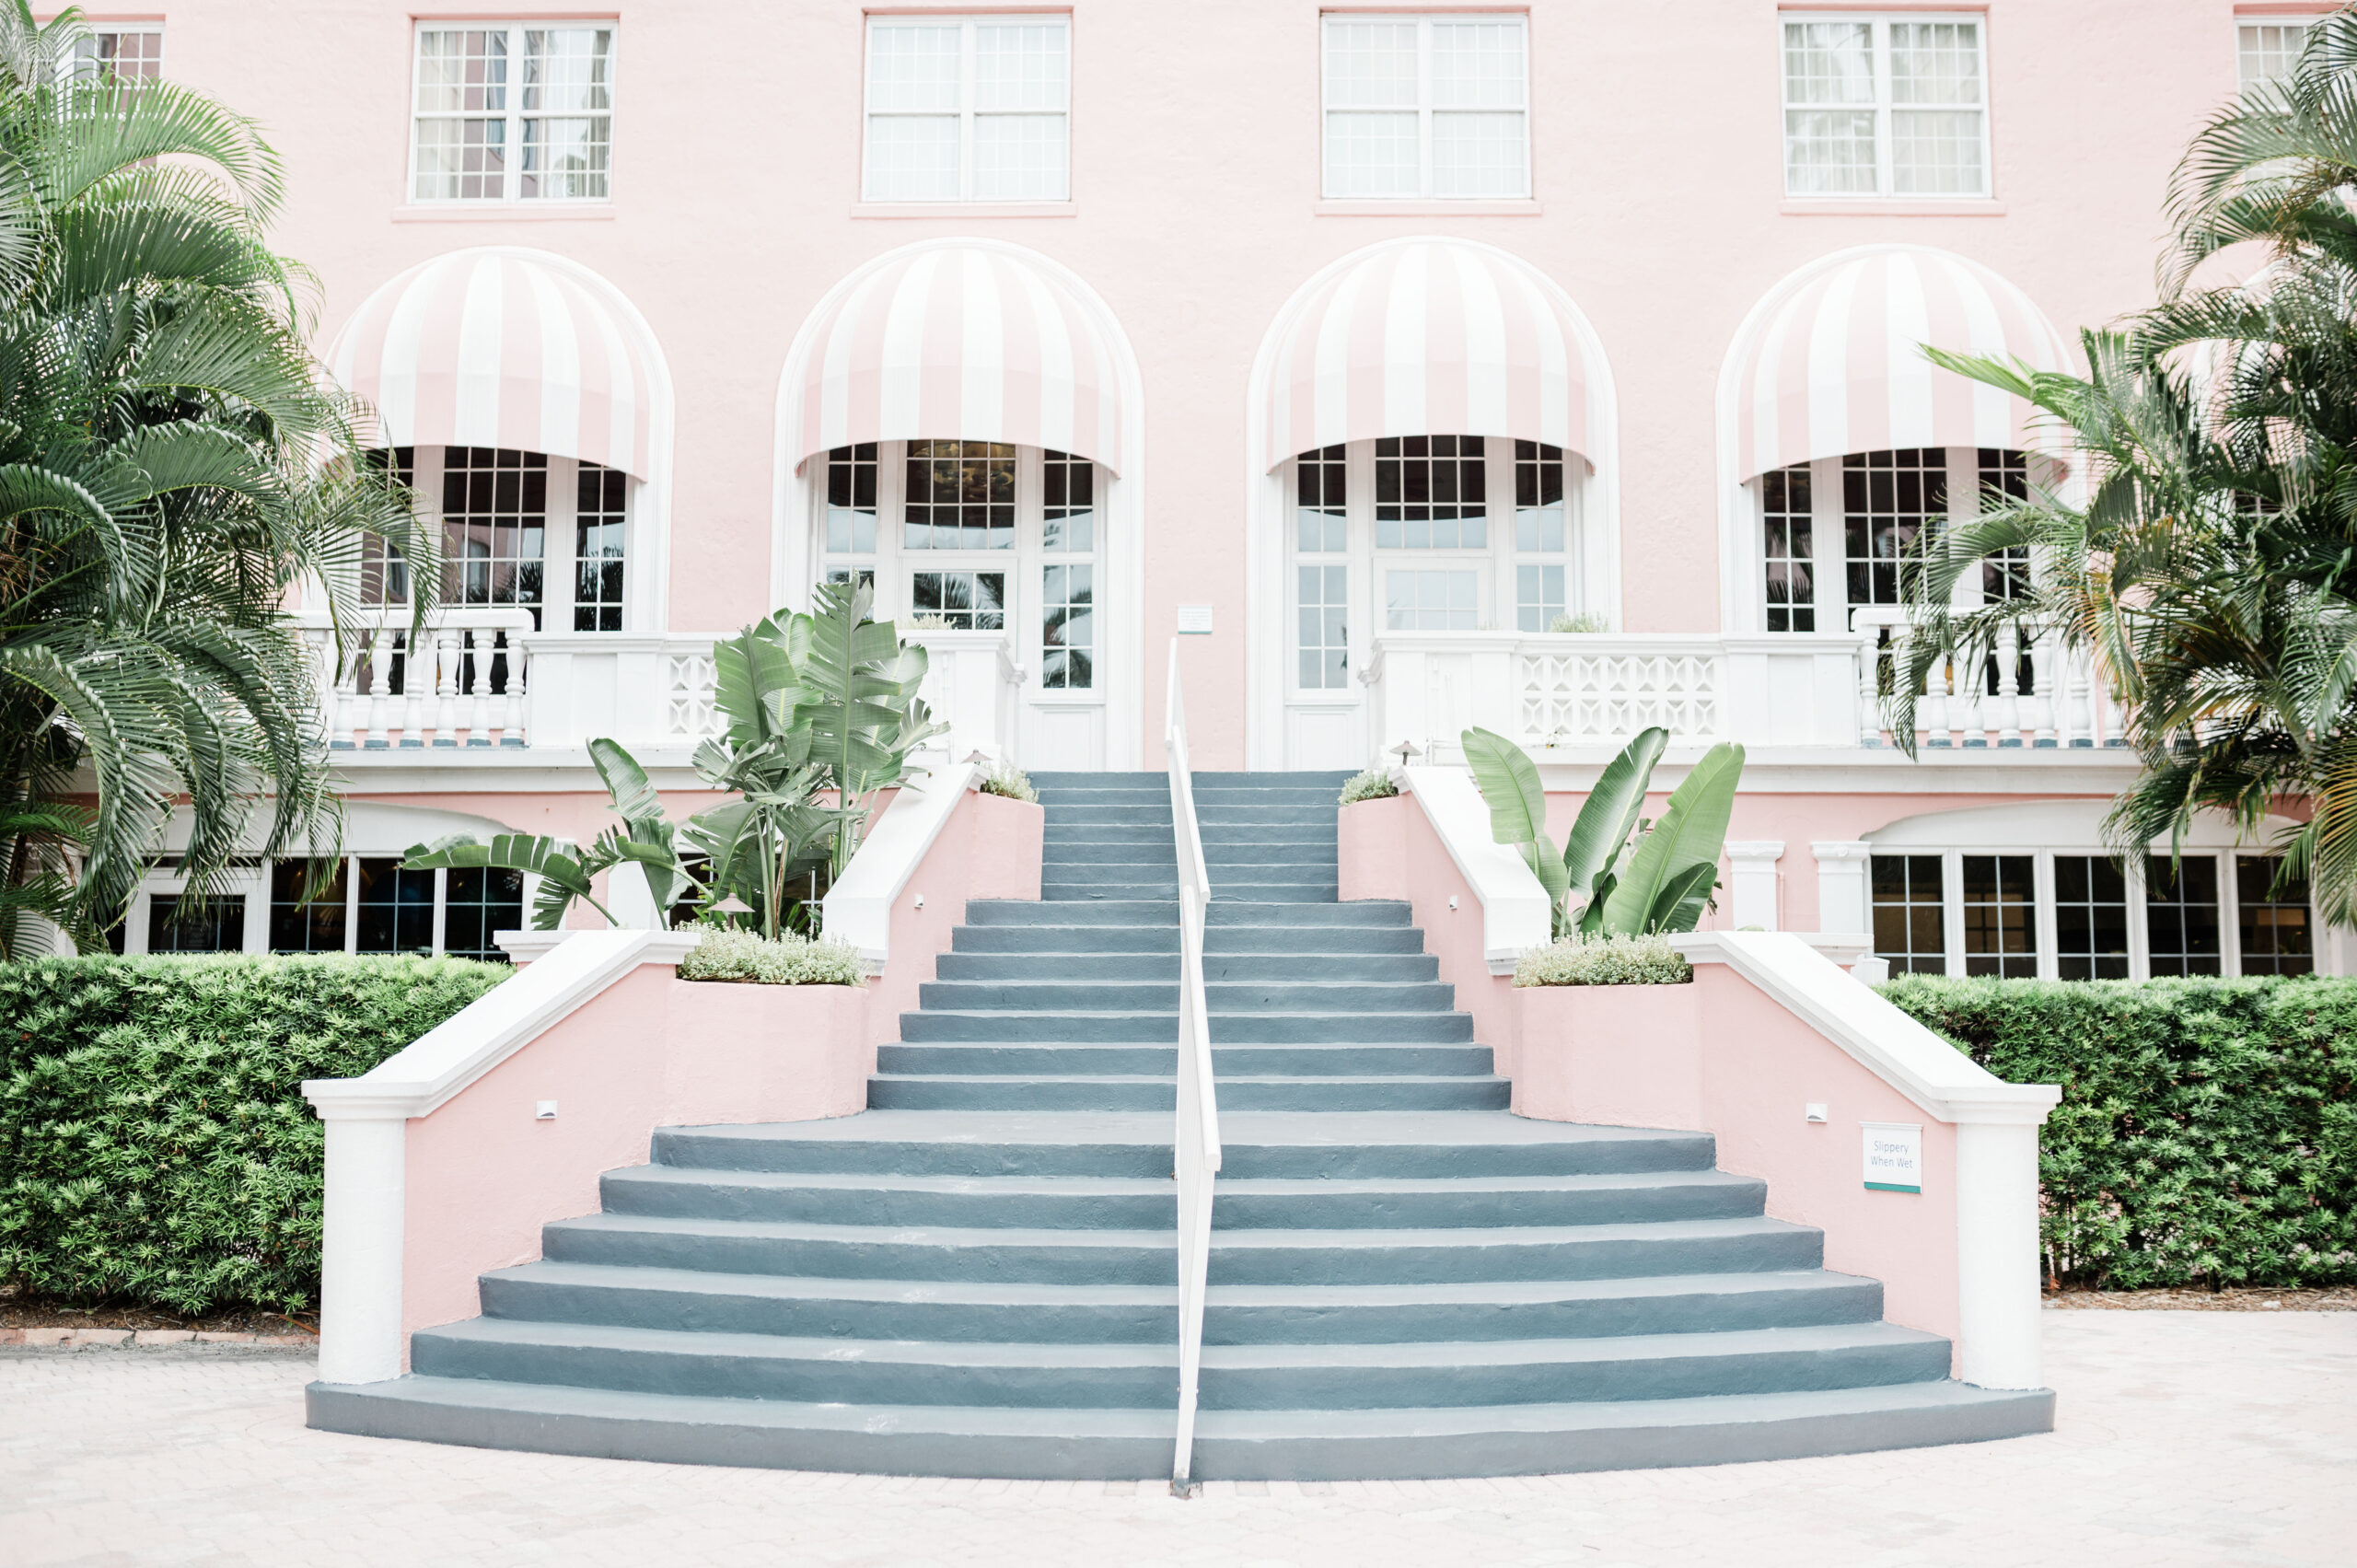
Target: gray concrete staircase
point(978, 1276)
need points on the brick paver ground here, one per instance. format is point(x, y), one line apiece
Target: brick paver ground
point(2186, 1438)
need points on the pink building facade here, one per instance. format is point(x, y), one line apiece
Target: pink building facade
point(1551, 369)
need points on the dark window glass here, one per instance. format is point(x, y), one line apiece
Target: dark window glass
point(850, 500)
point(2181, 914)
point(478, 904)
point(494, 524)
point(219, 927)
point(1790, 544)
point(2090, 918)
point(599, 521)
point(1910, 913)
point(2004, 479)
point(1321, 502)
point(1431, 493)
point(2000, 916)
point(1887, 497)
point(395, 909)
point(960, 496)
point(2277, 936)
point(1067, 503)
point(300, 926)
point(964, 601)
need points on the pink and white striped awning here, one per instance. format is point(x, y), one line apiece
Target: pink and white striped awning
point(1430, 337)
point(1837, 365)
point(497, 347)
point(961, 342)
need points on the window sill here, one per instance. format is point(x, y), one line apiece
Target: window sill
point(963, 209)
point(1969, 207)
point(506, 212)
point(1422, 208)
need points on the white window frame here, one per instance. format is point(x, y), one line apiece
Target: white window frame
point(511, 181)
point(967, 25)
point(1424, 107)
point(2047, 923)
point(2246, 24)
point(251, 885)
point(1885, 172)
point(560, 539)
point(75, 59)
point(1025, 563)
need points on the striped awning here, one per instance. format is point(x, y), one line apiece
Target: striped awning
point(961, 342)
point(1430, 337)
point(1837, 365)
point(500, 347)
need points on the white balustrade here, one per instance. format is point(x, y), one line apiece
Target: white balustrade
point(2060, 704)
point(466, 680)
point(1196, 1147)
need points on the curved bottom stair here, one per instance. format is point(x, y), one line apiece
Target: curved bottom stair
point(979, 1277)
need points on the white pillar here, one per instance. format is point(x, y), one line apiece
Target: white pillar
point(1752, 875)
point(631, 901)
point(1999, 1306)
point(1842, 903)
point(360, 1262)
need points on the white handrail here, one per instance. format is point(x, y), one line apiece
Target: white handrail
point(1197, 1150)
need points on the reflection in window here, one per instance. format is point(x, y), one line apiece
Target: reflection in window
point(1429, 493)
point(960, 496)
point(1431, 600)
point(1790, 528)
point(2272, 920)
point(2004, 481)
point(384, 575)
point(1538, 530)
point(2181, 914)
point(306, 925)
point(1321, 513)
point(850, 500)
point(1887, 497)
point(1909, 914)
point(1067, 657)
point(1324, 631)
point(965, 601)
point(217, 927)
point(494, 523)
point(2000, 916)
point(1068, 503)
point(599, 521)
point(478, 903)
point(395, 909)
point(2090, 918)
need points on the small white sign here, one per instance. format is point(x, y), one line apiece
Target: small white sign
point(1195, 620)
point(1894, 1157)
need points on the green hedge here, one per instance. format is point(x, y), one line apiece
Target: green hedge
point(2207, 1134)
point(155, 1144)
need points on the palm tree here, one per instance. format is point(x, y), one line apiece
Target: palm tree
point(2210, 574)
point(172, 470)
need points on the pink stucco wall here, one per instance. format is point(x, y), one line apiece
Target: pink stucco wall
point(1387, 849)
point(1195, 153)
point(988, 849)
point(1728, 1060)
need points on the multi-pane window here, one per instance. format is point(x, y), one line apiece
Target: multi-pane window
point(305, 918)
point(2004, 481)
point(1321, 571)
point(1887, 497)
point(476, 904)
point(495, 527)
point(2090, 918)
point(2181, 915)
point(973, 109)
point(1539, 536)
point(1426, 106)
point(1788, 535)
point(1908, 913)
point(216, 926)
point(2265, 51)
point(384, 575)
point(393, 907)
point(1067, 588)
point(1425, 598)
point(1885, 106)
point(960, 496)
point(1431, 493)
point(513, 113)
point(847, 522)
point(2000, 916)
point(601, 522)
point(2272, 919)
point(961, 602)
point(121, 52)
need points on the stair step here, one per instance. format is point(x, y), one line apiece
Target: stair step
point(1067, 1061)
point(1221, 995)
point(968, 965)
point(1105, 1092)
point(920, 1254)
point(1145, 1026)
point(1072, 1443)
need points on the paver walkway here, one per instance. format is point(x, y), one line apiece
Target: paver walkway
point(2186, 1438)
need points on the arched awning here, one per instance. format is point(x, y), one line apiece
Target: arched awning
point(1427, 337)
point(501, 347)
point(961, 342)
point(1835, 367)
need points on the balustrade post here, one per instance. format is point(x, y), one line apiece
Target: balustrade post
point(2009, 694)
point(413, 700)
point(380, 697)
point(519, 691)
point(1869, 690)
point(2042, 651)
point(449, 646)
point(477, 686)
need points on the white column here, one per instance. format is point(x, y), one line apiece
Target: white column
point(360, 1262)
point(631, 901)
point(1842, 885)
point(1998, 1302)
point(1752, 875)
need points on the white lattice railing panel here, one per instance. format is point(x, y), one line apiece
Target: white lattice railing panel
point(1572, 698)
point(689, 695)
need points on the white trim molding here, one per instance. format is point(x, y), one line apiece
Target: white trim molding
point(1515, 912)
point(858, 908)
point(1753, 882)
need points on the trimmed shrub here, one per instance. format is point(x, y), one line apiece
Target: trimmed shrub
point(154, 1144)
point(1373, 784)
point(1607, 961)
point(2208, 1131)
point(1006, 779)
point(749, 958)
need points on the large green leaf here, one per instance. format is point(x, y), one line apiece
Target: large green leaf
point(626, 783)
point(1692, 833)
point(1610, 811)
point(563, 869)
point(1683, 899)
point(1508, 781)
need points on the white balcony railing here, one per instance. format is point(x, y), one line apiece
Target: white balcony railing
point(1802, 690)
point(481, 677)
